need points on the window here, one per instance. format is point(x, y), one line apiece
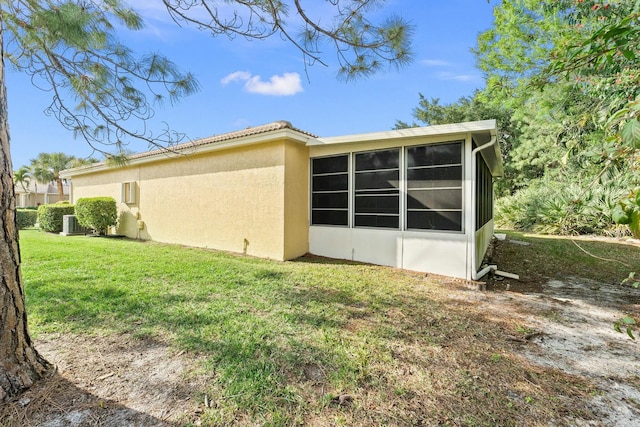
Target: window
point(377, 189)
point(434, 187)
point(363, 189)
point(484, 193)
point(129, 192)
point(330, 190)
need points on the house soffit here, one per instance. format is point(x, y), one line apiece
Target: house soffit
point(481, 131)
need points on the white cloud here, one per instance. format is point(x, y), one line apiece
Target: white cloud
point(435, 63)
point(449, 75)
point(458, 77)
point(284, 85)
point(234, 77)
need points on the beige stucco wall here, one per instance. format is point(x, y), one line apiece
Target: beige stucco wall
point(109, 184)
point(238, 199)
point(296, 200)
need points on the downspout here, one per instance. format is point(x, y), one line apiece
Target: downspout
point(475, 275)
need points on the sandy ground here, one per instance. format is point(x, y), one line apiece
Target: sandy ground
point(571, 329)
point(110, 381)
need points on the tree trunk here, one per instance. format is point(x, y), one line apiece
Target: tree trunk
point(20, 363)
point(60, 189)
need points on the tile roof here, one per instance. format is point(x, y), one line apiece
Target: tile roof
point(41, 188)
point(255, 130)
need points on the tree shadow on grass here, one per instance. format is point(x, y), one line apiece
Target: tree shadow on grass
point(56, 401)
point(278, 342)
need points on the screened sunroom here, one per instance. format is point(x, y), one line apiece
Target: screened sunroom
point(419, 198)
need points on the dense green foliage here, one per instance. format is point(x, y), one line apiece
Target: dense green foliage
point(50, 216)
point(563, 82)
point(97, 213)
point(565, 205)
point(26, 218)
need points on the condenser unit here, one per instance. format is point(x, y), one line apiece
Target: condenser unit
point(71, 227)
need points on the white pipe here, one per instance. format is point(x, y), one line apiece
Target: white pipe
point(482, 272)
point(475, 275)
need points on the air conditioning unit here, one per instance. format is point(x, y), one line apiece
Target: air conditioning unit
point(70, 226)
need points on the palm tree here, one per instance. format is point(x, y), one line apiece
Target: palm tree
point(23, 177)
point(40, 171)
point(47, 166)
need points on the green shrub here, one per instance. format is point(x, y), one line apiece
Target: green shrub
point(555, 207)
point(98, 213)
point(26, 218)
point(50, 216)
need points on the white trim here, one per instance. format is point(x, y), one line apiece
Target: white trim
point(437, 130)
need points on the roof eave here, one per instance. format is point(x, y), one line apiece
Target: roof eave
point(168, 153)
point(419, 132)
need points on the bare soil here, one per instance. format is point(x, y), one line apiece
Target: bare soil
point(566, 324)
point(569, 326)
point(570, 320)
point(108, 381)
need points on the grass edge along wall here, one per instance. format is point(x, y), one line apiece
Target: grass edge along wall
point(418, 198)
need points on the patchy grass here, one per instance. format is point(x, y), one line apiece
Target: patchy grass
point(551, 257)
point(309, 342)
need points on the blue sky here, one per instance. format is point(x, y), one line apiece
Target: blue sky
point(249, 83)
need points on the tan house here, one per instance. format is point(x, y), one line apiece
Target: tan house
point(420, 198)
point(37, 193)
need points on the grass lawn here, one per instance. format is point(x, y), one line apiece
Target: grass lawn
point(557, 257)
point(283, 340)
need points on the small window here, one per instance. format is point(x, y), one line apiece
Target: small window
point(129, 192)
point(330, 190)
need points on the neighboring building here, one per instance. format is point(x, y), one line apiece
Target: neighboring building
point(37, 193)
point(419, 198)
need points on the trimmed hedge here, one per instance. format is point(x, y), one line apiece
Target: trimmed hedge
point(26, 218)
point(98, 213)
point(50, 216)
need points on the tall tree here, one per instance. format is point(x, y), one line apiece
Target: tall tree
point(604, 63)
point(41, 174)
point(20, 363)
point(47, 166)
point(568, 70)
point(581, 54)
point(98, 84)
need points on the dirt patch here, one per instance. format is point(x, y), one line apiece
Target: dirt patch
point(570, 329)
point(108, 381)
point(566, 323)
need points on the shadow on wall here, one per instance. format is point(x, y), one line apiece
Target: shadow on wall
point(132, 225)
